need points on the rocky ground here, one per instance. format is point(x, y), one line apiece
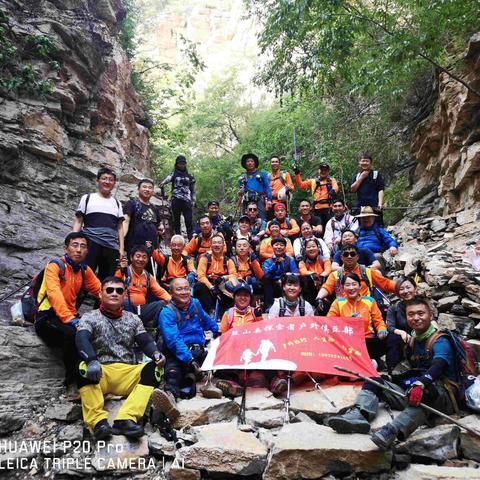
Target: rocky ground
point(213, 445)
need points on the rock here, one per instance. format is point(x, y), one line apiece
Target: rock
point(199, 411)
point(261, 399)
point(463, 325)
point(184, 474)
point(305, 450)
point(67, 412)
point(159, 445)
point(445, 303)
point(470, 305)
point(223, 449)
point(9, 422)
point(470, 444)
point(265, 418)
point(438, 225)
point(315, 404)
point(439, 443)
point(302, 417)
point(433, 472)
point(70, 433)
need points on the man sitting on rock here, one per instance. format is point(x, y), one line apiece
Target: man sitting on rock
point(105, 340)
point(183, 325)
point(432, 359)
point(57, 317)
point(201, 243)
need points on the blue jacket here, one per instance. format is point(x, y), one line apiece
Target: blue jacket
point(257, 181)
point(190, 331)
point(275, 271)
point(375, 238)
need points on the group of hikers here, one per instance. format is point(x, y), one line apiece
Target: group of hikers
point(146, 337)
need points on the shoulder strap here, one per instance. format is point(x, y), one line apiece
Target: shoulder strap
point(230, 317)
point(375, 174)
point(283, 308)
point(164, 271)
point(288, 222)
point(301, 306)
point(432, 339)
point(86, 204)
point(199, 241)
point(61, 266)
point(338, 283)
point(208, 256)
point(376, 231)
point(366, 274)
point(178, 315)
point(147, 279)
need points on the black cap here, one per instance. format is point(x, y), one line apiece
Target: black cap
point(279, 240)
point(324, 165)
point(213, 202)
point(253, 157)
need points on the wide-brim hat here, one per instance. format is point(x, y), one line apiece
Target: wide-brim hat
point(366, 212)
point(253, 157)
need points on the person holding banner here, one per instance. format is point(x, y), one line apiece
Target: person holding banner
point(356, 305)
point(431, 378)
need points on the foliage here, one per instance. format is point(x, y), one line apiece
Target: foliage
point(396, 197)
point(373, 47)
point(18, 74)
point(128, 28)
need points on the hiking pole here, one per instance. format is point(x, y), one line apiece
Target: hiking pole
point(13, 292)
point(321, 390)
point(243, 405)
point(402, 395)
point(286, 418)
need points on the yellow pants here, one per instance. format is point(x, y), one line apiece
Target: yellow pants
point(118, 379)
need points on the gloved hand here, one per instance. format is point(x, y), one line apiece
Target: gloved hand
point(94, 371)
point(296, 170)
point(73, 322)
point(415, 393)
point(214, 291)
point(159, 359)
point(382, 334)
point(216, 334)
point(319, 305)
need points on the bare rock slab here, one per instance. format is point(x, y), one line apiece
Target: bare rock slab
point(200, 411)
point(261, 399)
point(439, 443)
point(306, 450)
point(265, 418)
point(223, 449)
point(434, 472)
point(184, 474)
point(315, 405)
point(470, 444)
point(67, 412)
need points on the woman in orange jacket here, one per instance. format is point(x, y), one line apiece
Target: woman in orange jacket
point(356, 305)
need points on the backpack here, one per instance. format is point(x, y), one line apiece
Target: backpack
point(465, 358)
point(281, 178)
point(208, 256)
point(30, 303)
point(332, 194)
point(251, 257)
point(128, 281)
point(366, 275)
point(164, 269)
point(230, 316)
point(178, 315)
point(283, 307)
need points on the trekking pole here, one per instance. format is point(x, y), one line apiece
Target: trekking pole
point(321, 390)
point(286, 418)
point(243, 405)
point(13, 292)
point(402, 395)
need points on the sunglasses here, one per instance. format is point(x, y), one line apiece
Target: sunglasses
point(349, 254)
point(110, 290)
point(253, 209)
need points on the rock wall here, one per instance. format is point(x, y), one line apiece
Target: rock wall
point(52, 145)
point(446, 145)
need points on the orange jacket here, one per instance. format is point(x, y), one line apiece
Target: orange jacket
point(365, 307)
point(62, 295)
point(215, 270)
point(175, 269)
point(199, 245)
point(137, 289)
point(266, 249)
point(238, 320)
point(276, 184)
point(320, 266)
point(377, 280)
point(245, 268)
point(293, 230)
point(320, 191)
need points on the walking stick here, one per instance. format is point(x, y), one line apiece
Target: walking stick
point(321, 390)
point(15, 291)
point(402, 395)
point(243, 404)
point(286, 418)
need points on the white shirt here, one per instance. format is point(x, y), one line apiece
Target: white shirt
point(275, 310)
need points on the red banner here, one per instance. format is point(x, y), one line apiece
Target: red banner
point(306, 344)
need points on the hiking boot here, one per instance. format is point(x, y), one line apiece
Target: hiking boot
point(230, 388)
point(278, 386)
point(165, 402)
point(351, 421)
point(385, 437)
point(210, 391)
point(129, 428)
point(102, 430)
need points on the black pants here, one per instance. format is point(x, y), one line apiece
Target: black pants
point(325, 214)
point(309, 291)
point(376, 347)
point(178, 373)
point(180, 207)
point(271, 290)
point(106, 259)
point(57, 334)
point(208, 301)
point(395, 353)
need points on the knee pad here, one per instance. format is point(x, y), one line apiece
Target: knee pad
point(147, 375)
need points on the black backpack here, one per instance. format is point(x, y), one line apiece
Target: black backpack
point(283, 307)
point(164, 269)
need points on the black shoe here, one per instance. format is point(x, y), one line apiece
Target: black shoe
point(129, 428)
point(350, 422)
point(102, 430)
point(385, 437)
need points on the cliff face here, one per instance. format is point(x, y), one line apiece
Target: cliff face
point(446, 146)
point(52, 144)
